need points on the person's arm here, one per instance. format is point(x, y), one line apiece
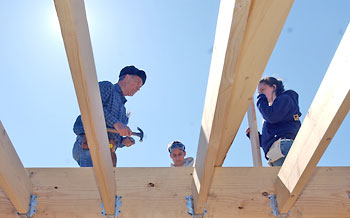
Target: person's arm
point(78, 128)
point(280, 110)
point(106, 88)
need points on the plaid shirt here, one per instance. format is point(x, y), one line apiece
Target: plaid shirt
point(113, 102)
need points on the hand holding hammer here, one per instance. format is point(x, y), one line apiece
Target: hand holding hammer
point(124, 130)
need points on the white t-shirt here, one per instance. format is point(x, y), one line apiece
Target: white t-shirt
point(188, 162)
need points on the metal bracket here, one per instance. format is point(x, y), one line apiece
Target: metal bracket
point(190, 207)
point(118, 204)
point(273, 205)
point(32, 210)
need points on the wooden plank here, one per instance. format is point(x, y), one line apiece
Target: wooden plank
point(75, 32)
point(327, 111)
point(160, 193)
point(14, 180)
point(242, 48)
point(265, 22)
point(254, 134)
point(230, 30)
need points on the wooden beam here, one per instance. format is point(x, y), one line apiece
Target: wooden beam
point(242, 47)
point(327, 111)
point(265, 22)
point(160, 193)
point(14, 180)
point(254, 134)
point(230, 30)
point(75, 32)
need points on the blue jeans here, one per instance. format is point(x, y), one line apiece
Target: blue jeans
point(81, 156)
point(285, 147)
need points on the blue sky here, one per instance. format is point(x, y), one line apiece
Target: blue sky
point(172, 41)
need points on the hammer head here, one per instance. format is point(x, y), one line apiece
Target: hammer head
point(139, 134)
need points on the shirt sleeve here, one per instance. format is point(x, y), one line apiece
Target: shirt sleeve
point(280, 110)
point(78, 128)
point(106, 89)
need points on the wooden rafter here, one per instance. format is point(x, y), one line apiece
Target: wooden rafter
point(245, 37)
point(327, 111)
point(160, 193)
point(14, 180)
point(75, 32)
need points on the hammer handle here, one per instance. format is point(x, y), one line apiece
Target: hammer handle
point(115, 131)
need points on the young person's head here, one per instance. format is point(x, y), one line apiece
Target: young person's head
point(131, 80)
point(177, 152)
point(271, 87)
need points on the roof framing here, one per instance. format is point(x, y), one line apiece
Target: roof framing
point(247, 31)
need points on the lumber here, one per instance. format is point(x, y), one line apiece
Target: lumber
point(160, 193)
point(254, 134)
point(327, 111)
point(76, 37)
point(14, 180)
point(230, 30)
point(242, 47)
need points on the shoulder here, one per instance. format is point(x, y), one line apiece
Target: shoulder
point(289, 94)
point(105, 84)
point(188, 162)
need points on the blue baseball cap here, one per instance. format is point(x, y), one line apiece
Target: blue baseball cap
point(132, 70)
point(175, 144)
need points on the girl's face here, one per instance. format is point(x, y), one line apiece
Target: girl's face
point(178, 156)
point(269, 91)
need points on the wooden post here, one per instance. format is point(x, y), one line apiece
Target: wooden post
point(254, 134)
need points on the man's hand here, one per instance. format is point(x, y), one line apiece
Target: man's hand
point(128, 141)
point(122, 129)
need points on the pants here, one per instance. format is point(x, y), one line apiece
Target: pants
point(285, 147)
point(81, 156)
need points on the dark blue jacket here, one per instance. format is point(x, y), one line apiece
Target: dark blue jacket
point(281, 118)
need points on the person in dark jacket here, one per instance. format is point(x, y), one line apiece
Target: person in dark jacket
point(280, 110)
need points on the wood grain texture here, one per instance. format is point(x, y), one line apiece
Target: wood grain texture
point(160, 193)
point(246, 34)
point(327, 111)
point(14, 180)
point(254, 134)
point(76, 37)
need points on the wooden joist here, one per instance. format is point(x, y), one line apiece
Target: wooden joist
point(327, 111)
point(14, 180)
point(75, 32)
point(160, 193)
point(245, 37)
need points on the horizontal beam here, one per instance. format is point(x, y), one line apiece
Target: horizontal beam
point(327, 111)
point(76, 37)
point(160, 193)
point(14, 180)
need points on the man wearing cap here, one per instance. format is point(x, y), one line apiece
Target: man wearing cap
point(113, 99)
point(178, 153)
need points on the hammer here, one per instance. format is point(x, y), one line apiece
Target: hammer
point(139, 134)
